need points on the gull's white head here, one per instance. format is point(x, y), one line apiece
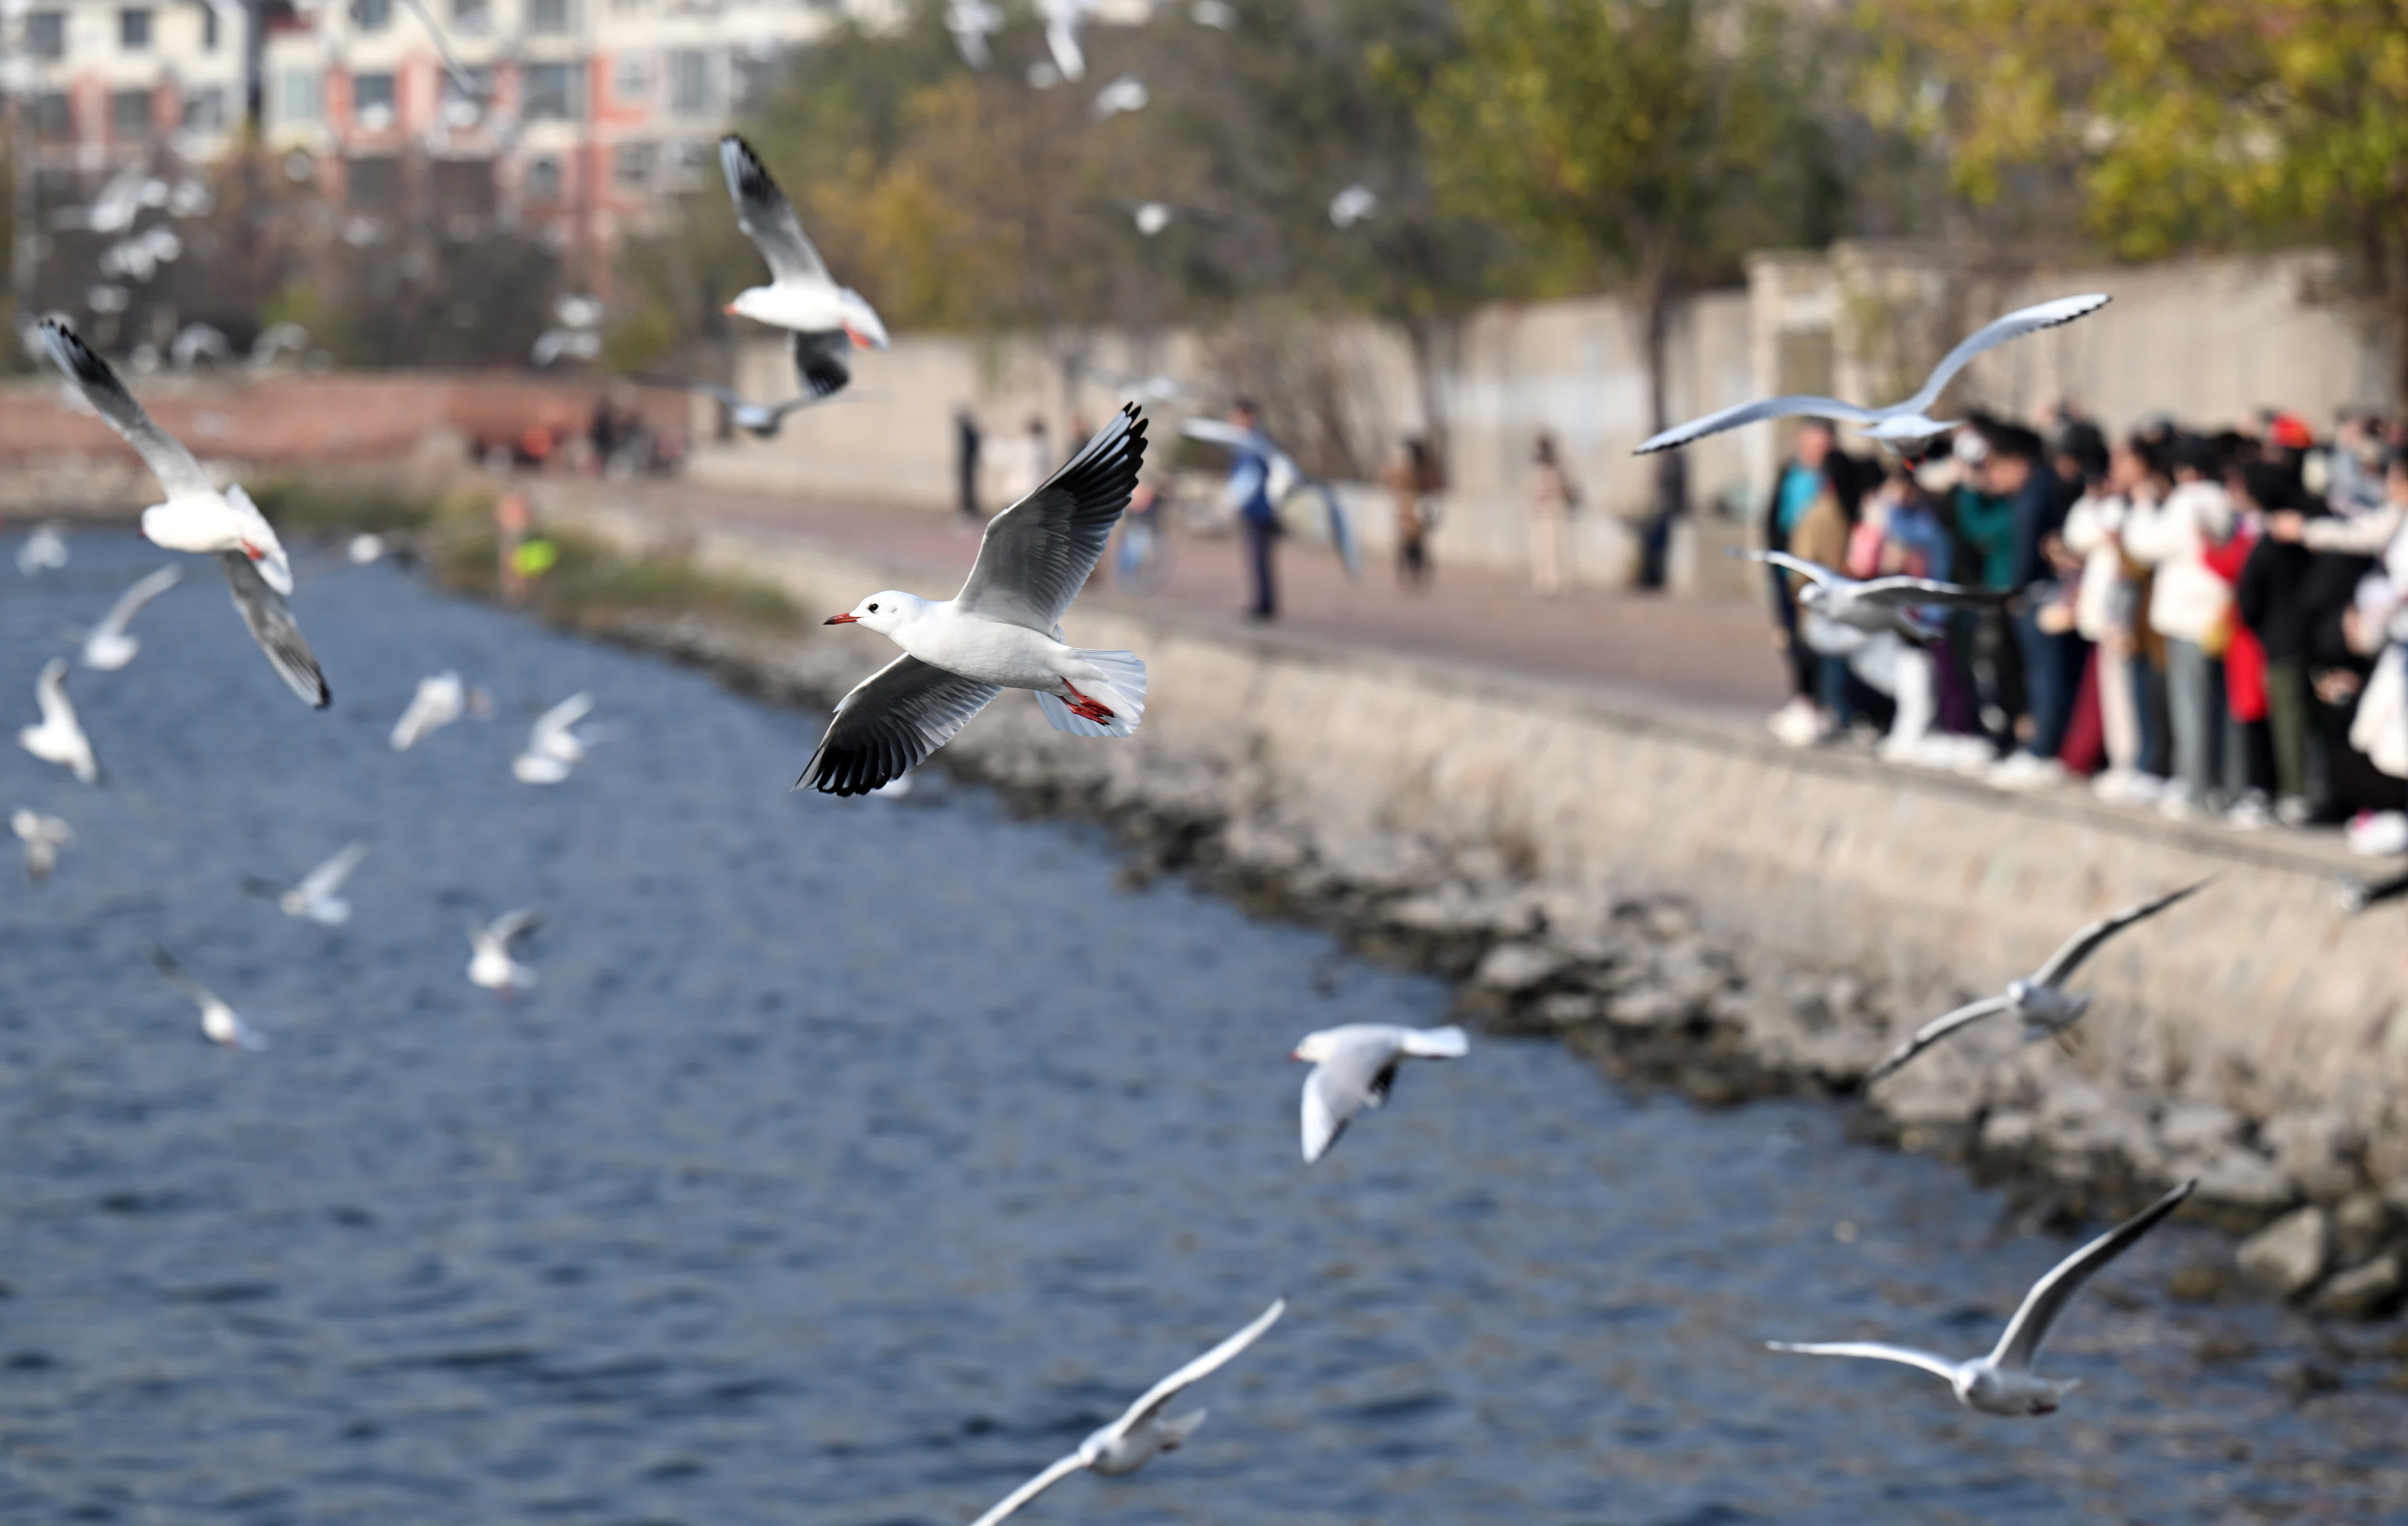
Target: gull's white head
point(2021, 991)
point(1813, 595)
point(885, 612)
point(861, 320)
point(1314, 1048)
point(1909, 431)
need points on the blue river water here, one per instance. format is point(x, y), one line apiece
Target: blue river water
point(852, 1159)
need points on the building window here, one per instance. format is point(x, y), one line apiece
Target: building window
point(631, 166)
point(693, 83)
point(372, 96)
point(133, 31)
point(467, 108)
point(550, 16)
point(209, 27)
point(633, 80)
point(204, 110)
point(543, 180)
point(553, 94)
point(755, 77)
point(53, 119)
point(129, 116)
point(371, 15)
point(473, 15)
point(46, 33)
point(300, 95)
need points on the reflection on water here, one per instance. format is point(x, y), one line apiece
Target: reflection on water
point(852, 1159)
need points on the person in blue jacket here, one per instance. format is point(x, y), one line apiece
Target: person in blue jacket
point(1249, 494)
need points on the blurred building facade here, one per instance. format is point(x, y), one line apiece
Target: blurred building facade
point(102, 83)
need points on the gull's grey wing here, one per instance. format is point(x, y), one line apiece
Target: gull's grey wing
point(167, 965)
point(820, 362)
point(129, 604)
point(1037, 554)
point(1357, 1075)
point(1873, 1350)
point(1813, 571)
point(50, 693)
point(1902, 591)
point(272, 626)
point(1214, 432)
point(2062, 964)
point(514, 924)
point(560, 718)
point(892, 720)
point(2027, 1331)
point(767, 217)
point(2022, 321)
point(1198, 1370)
point(167, 457)
point(693, 384)
point(328, 878)
point(1748, 413)
point(1934, 1032)
point(461, 78)
point(1061, 1468)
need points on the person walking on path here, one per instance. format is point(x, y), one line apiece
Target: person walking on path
point(1413, 478)
point(965, 460)
point(1552, 499)
point(1249, 497)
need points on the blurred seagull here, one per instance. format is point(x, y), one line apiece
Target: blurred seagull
point(440, 701)
point(971, 23)
point(490, 964)
point(1132, 1441)
point(365, 549)
point(1217, 14)
point(198, 517)
point(1152, 217)
point(43, 837)
point(1127, 93)
point(552, 746)
point(2003, 1383)
point(1878, 604)
point(315, 898)
point(108, 646)
point(762, 421)
point(1900, 426)
point(218, 1020)
point(1062, 20)
point(1002, 630)
point(801, 295)
point(59, 737)
point(44, 549)
point(2039, 1001)
point(1352, 205)
point(1352, 1068)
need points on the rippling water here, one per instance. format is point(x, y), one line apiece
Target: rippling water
point(853, 1159)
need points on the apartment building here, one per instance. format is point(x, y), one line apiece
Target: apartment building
point(102, 83)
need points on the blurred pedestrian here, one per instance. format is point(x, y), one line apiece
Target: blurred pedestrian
point(2189, 606)
point(1024, 469)
point(2013, 473)
point(965, 460)
point(2106, 611)
point(1671, 503)
point(1554, 497)
point(1812, 504)
point(1249, 497)
point(1411, 478)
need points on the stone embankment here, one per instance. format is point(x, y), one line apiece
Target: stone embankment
point(1687, 904)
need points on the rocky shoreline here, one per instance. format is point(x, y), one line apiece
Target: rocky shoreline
point(1642, 991)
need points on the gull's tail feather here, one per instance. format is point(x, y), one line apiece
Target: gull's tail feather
point(1176, 1431)
point(1121, 690)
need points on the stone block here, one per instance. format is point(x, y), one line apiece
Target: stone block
point(2288, 1256)
point(2363, 1292)
point(2363, 1224)
point(1514, 968)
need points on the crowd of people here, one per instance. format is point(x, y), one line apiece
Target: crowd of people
point(2210, 624)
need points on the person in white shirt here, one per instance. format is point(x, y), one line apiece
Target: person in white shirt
point(2103, 611)
point(2188, 606)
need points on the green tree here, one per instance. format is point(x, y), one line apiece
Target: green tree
point(1650, 142)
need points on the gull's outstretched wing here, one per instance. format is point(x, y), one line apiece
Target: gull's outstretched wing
point(542, 737)
point(693, 384)
point(1934, 1032)
point(167, 459)
point(1214, 432)
point(328, 878)
point(1198, 1370)
point(1812, 571)
point(2062, 964)
point(1748, 413)
point(2022, 321)
point(167, 965)
point(1356, 1077)
point(129, 604)
point(819, 361)
point(1902, 591)
point(767, 217)
point(1061, 1468)
point(50, 693)
point(272, 626)
point(2027, 1331)
point(1037, 554)
point(892, 720)
point(462, 80)
point(514, 924)
point(1872, 1351)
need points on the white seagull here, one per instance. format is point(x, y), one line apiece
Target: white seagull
point(801, 295)
point(1062, 18)
point(1352, 205)
point(2003, 1383)
point(1901, 426)
point(1127, 93)
point(1877, 604)
point(1132, 1441)
point(43, 550)
point(198, 517)
point(43, 837)
point(218, 1022)
point(761, 421)
point(59, 737)
point(490, 964)
point(1002, 630)
point(2039, 1001)
point(317, 898)
point(552, 746)
point(971, 23)
point(438, 701)
point(1217, 14)
point(109, 646)
point(1352, 1068)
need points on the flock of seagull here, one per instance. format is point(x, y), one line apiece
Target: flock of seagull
point(1002, 629)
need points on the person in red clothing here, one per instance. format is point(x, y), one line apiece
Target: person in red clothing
point(2248, 742)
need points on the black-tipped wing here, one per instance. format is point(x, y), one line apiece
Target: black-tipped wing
point(892, 720)
point(2022, 321)
point(272, 626)
point(1901, 592)
point(2062, 964)
point(167, 457)
point(1934, 1032)
point(1748, 413)
point(819, 361)
point(2027, 1331)
point(767, 217)
point(1038, 553)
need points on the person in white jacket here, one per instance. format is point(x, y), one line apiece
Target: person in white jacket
point(2188, 606)
point(2103, 609)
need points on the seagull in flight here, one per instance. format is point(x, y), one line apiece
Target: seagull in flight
point(1219, 15)
point(1878, 604)
point(1353, 1067)
point(1127, 93)
point(762, 421)
point(198, 517)
point(43, 835)
point(1062, 20)
point(218, 1022)
point(317, 898)
point(109, 646)
point(59, 737)
point(440, 701)
point(1132, 1441)
point(552, 746)
point(1002, 630)
point(1900, 426)
point(1354, 204)
point(2003, 1383)
point(825, 318)
point(490, 964)
point(971, 23)
point(44, 549)
point(2039, 1001)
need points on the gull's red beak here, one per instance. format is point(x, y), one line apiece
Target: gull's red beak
point(729, 309)
point(841, 619)
point(860, 340)
point(1295, 1054)
point(253, 552)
